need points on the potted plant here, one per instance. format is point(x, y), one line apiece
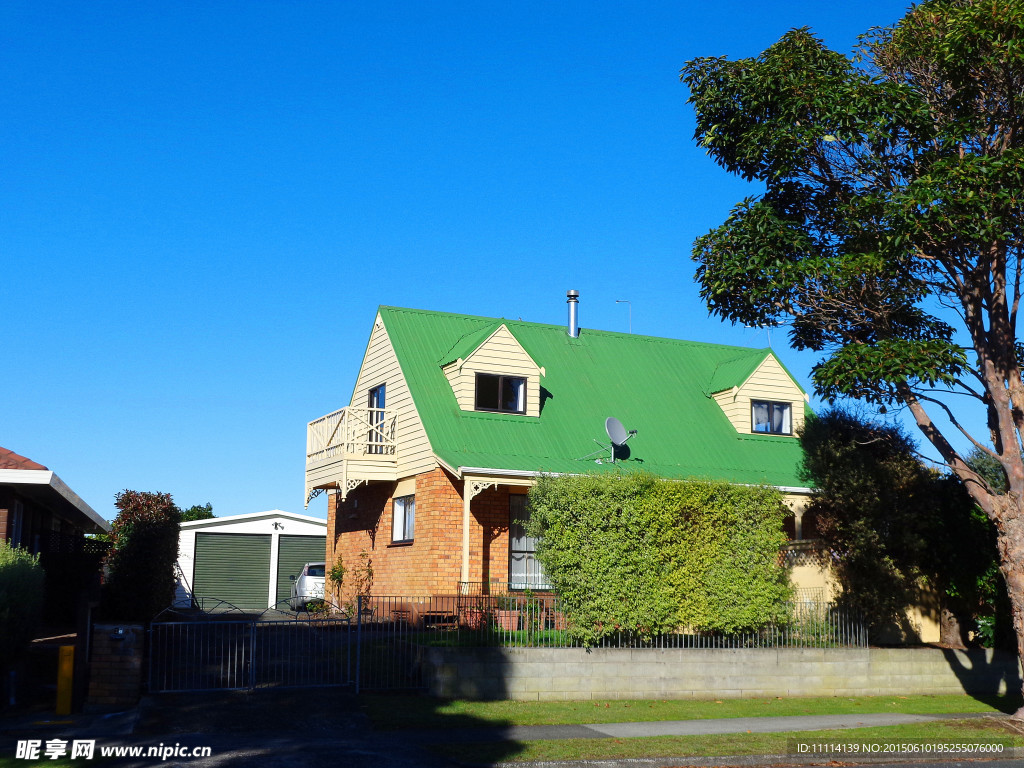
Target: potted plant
point(474, 616)
point(506, 612)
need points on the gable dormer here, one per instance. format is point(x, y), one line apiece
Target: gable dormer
point(758, 396)
point(492, 373)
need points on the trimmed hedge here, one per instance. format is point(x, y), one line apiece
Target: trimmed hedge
point(635, 553)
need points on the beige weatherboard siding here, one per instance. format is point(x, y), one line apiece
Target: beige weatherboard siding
point(412, 454)
point(499, 354)
point(380, 366)
point(768, 382)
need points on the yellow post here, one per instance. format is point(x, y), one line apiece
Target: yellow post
point(65, 675)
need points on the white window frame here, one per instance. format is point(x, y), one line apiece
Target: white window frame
point(403, 519)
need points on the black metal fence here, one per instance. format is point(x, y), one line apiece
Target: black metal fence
point(379, 642)
point(523, 621)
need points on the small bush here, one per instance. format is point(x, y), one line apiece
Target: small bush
point(22, 585)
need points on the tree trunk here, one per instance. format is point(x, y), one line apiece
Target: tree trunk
point(951, 632)
point(1010, 524)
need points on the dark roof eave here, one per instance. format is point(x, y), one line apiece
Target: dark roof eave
point(47, 488)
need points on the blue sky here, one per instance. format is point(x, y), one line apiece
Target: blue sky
point(203, 203)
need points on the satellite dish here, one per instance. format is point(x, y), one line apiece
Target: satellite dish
point(616, 432)
point(618, 435)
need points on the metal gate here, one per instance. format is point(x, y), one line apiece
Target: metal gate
point(232, 654)
point(227, 650)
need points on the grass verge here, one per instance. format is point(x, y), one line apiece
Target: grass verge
point(409, 711)
point(985, 730)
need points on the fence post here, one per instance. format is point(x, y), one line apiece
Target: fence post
point(359, 634)
point(252, 655)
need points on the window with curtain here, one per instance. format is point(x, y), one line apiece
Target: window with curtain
point(524, 570)
point(771, 417)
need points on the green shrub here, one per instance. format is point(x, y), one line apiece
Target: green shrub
point(144, 548)
point(22, 585)
point(634, 553)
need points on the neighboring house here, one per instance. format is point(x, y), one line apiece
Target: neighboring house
point(245, 560)
point(39, 512)
point(453, 418)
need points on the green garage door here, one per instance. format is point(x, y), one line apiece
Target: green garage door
point(234, 567)
point(293, 553)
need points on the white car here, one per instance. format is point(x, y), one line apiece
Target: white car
point(308, 585)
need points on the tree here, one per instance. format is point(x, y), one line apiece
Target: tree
point(896, 526)
point(890, 229)
point(143, 550)
point(197, 512)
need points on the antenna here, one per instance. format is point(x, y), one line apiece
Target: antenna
point(629, 305)
point(617, 434)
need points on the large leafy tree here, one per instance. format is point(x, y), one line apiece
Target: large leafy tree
point(889, 231)
point(897, 527)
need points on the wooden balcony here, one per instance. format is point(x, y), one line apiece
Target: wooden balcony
point(349, 447)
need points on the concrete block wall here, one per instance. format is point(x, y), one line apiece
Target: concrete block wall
point(115, 666)
point(575, 673)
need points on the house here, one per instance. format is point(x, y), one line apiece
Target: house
point(247, 561)
point(38, 511)
point(453, 417)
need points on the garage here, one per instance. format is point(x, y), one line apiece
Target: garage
point(232, 567)
point(246, 561)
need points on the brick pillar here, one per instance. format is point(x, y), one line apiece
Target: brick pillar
point(115, 668)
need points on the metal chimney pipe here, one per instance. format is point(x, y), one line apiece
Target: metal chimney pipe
point(573, 300)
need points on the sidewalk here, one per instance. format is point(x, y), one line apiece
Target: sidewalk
point(672, 728)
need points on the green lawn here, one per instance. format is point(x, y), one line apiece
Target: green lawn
point(959, 731)
point(410, 711)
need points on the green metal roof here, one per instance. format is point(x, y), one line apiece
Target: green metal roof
point(733, 373)
point(659, 387)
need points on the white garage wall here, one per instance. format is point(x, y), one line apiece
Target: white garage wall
point(276, 522)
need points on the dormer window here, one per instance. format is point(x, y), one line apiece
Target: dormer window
point(770, 417)
point(505, 394)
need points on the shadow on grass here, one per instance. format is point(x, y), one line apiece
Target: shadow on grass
point(984, 673)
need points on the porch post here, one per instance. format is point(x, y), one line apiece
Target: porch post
point(466, 498)
point(470, 487)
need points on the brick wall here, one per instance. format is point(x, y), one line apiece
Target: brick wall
point(115, 666)
point(432, 563)
point(488, 546)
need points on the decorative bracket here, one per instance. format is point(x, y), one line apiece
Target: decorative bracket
point(312, 494)
point(476, 487)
